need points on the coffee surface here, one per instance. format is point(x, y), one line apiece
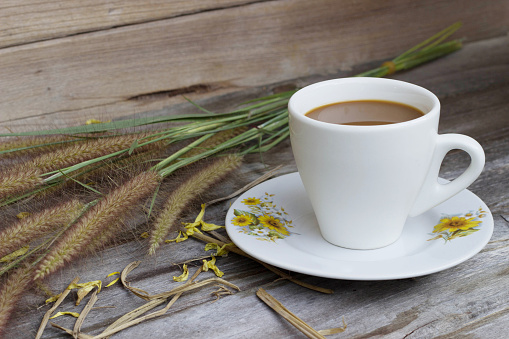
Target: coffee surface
point(365, 113)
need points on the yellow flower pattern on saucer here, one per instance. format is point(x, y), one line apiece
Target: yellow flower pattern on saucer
point(273, 224)
point(456, 226)
point(264, 219)
point(242, 220)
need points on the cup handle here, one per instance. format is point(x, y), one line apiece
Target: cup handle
point(432, 193)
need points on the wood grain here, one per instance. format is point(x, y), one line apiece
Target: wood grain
point(469, 300)
point(27, 21)
point(148, 66)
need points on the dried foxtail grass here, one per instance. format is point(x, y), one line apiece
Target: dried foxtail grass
point(27, 176)
point(20, 146)
point(18, 179)
point(11, 291)
point(37, 225)
point(186, 192)
point(80, 152)
point(110, 210)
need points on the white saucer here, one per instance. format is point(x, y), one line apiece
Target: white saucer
point(302, 249)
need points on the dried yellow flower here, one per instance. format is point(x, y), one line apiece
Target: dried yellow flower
point(192, 227)
point(53, 298)
point(15, 254)
point(114, 281)
point(85, 288)
point(95, 121)
point(58, 314)
point(22, 215)
point(181, 237)
point(211, 264)
point(221, 250)
point(184, 275)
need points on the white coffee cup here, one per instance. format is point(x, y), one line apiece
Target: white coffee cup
point(364, 181)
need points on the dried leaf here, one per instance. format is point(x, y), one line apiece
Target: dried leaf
point(144, 235)
point(211, 264)
point(15, 254)
point(58, 314)
point(184, 275)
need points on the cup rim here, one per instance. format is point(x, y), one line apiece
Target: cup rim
point(293, 111)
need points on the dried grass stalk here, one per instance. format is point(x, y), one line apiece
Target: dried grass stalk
point(131, 318)
point(71, 332)
point(10, 292)
point(182, 288)
point(111, 209)
point(300, 324)
point(83, 314)
point(186, 192)
point(57, 303)
point(37, 225)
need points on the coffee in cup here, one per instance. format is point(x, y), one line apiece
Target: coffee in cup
point(365, 113)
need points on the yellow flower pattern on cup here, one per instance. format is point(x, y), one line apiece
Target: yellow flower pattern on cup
point(263, 219)
point(456, 226)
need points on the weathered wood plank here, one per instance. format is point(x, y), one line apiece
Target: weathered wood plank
point(141, 67)
point(27, 21)
point(469, 300)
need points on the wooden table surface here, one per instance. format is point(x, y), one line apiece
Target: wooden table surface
point(469, 300)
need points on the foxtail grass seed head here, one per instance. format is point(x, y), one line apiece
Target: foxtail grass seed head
point(18, 179)
point(192, 187)
point(33, 145)
point(111, 209)
point(80, 152)
point(34, 226)
point(11, 291)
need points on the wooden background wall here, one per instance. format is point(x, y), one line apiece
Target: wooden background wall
point(62, 62)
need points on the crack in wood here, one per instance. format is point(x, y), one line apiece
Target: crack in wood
point(426, 324)
point(507, 221)
point(199, 88)
point(401, 320)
